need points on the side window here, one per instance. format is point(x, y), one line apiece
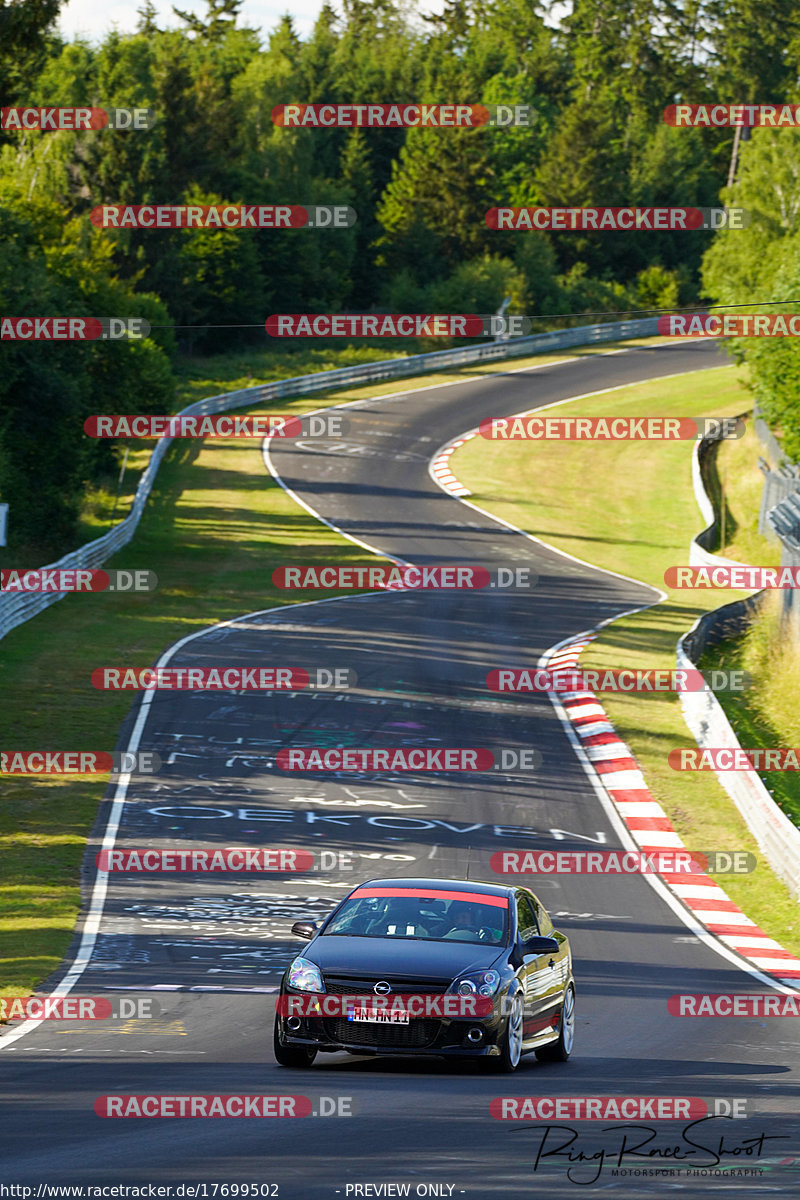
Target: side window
point(544, 922)
point(526, 920)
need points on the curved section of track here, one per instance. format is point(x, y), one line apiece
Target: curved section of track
point(211, 947)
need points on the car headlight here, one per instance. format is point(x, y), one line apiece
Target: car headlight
point(305, 976)
point(476, 983)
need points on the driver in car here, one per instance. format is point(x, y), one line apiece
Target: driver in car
point(466, 921)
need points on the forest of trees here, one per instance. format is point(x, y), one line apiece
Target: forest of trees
point(598, 79)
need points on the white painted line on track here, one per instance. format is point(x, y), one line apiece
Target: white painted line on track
point(632, 818)
point(99, 888)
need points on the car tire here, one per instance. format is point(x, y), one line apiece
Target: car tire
point(511, 1044)
point(560, 1051)
point(291, 1056)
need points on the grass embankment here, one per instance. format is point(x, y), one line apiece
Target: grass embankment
point(766, 714)
point(213, 530)
point(630, 507)
point(733, 474)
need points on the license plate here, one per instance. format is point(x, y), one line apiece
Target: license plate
point(379, 1016)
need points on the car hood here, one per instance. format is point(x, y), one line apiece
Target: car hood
point(399, 957)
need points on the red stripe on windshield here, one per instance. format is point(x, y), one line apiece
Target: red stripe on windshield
point(476, 897)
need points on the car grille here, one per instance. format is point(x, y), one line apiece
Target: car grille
point(418, 1034)
point(340, 986)
point(415, 1035)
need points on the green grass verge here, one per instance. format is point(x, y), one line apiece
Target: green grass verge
point(213, 530)
point(766, 714)
point(199, 377)
point(630, 507)
point(734, 476)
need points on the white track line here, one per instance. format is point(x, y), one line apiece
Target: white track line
point(651, 830)
point(99, 889)
point(664, 890)
point(94, 914)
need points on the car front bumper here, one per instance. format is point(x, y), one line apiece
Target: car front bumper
point(472, 1037)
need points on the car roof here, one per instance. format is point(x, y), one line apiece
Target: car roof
point(441, 885)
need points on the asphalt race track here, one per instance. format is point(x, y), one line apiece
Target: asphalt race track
point(209, 949)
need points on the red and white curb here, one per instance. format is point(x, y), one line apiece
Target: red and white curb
point(652, 830)
point(440, 467)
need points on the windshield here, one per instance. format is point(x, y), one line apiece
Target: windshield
point(421, 917)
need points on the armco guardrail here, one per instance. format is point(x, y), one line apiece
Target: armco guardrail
point(17, 607)
point(699, 555)
point(777, 836)
point(780, 483)
point(784, 520)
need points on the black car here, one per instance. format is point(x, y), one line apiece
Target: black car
point(445, 967)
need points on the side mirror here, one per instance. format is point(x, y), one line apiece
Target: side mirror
point(304, 929)
point(541, 945)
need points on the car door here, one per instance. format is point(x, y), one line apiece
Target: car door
point(559, 973)
point(540, 973)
